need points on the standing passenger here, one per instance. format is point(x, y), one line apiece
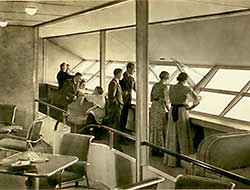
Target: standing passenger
point(63, 75)
point(157, 119)
point(127, 84)
point(179, 137)
point(115, 103)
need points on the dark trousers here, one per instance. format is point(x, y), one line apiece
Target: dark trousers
point(114, 121)
point(124, 117)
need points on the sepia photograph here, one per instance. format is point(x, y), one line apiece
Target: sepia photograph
point(124, 94)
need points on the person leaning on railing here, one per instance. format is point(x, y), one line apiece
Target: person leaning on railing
point(179, 135)
point(66, 95)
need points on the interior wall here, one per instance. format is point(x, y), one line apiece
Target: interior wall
point(56, 55)
point(17, 70)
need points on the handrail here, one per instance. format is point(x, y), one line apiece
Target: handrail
point(131, 137)
point(177, 155)
point(52, 106)
point(200, 164)
point(145, 184)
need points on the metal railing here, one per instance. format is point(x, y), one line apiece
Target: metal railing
point(49, 106)
point(111, 133)
point(199, 163)
point(188, 159)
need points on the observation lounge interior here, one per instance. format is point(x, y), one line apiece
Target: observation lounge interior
point(207, 39)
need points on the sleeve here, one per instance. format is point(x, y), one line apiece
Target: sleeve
point(152, 94)
point(193, 94)
point(68, 91)
point(112, 91)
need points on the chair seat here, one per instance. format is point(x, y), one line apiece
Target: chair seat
point(15, 144)
point(70, 176)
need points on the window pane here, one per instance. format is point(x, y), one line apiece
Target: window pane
point(112, 66)
point(213, 103)
point(159, 68)
point(95, 68)
point(93, 83)
point(196, 74)
point(152, 77)
point(84, 67)
point(229, 79)
point(241, 110)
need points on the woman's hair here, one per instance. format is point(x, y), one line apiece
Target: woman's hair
point(82, 82)
point(164, 75)
point(182, 77)
point(99, 90)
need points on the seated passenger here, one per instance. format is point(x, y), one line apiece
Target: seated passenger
point(97, 112)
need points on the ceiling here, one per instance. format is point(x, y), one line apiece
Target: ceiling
point(14, 13)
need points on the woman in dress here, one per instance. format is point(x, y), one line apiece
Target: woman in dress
point(157, 117)
point(179, 137)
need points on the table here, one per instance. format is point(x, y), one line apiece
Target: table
point(56, 163)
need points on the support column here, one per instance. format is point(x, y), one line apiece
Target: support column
point(36, 51)
point(102, 58)
point(142, 66)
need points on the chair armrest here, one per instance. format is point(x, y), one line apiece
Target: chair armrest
point(20, 133)
point(15, 137)
point(145, 184)
point(78, 167)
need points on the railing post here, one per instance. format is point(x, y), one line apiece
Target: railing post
point(192, 169)
point(111, 139)
point(48, 110)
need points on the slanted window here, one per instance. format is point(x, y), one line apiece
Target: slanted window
point(241, 110)
point(229, 79)
point(213, 103)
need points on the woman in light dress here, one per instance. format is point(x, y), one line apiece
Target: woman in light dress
point(179, 135)
point(157, 119)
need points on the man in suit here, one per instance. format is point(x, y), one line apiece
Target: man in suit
point(63, 75)
point(115, 103)
point(127, 84)
point(67, 94)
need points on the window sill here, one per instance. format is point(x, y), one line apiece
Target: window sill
point(217, 123)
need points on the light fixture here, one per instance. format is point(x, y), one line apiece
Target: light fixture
point(3, 24)
point(31, 10)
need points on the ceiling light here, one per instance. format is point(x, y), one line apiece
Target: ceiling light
point(31, 10)
point(3, 23)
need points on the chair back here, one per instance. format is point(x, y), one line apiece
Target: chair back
point(7, 114)
point(74, 144)
point(197, 182)
point(145, 184)
point(34, 130)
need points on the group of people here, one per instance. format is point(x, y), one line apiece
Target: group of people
point(114, 110)
point(173, 131)
point(169, 120)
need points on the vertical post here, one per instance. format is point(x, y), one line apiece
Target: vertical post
point(142, 66)
point(35, 70)
point(102, 58)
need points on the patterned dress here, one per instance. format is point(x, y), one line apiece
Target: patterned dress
point(157, 117)
point(179, 136)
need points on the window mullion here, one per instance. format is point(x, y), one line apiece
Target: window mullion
point(206, 79)
point(236, 99)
